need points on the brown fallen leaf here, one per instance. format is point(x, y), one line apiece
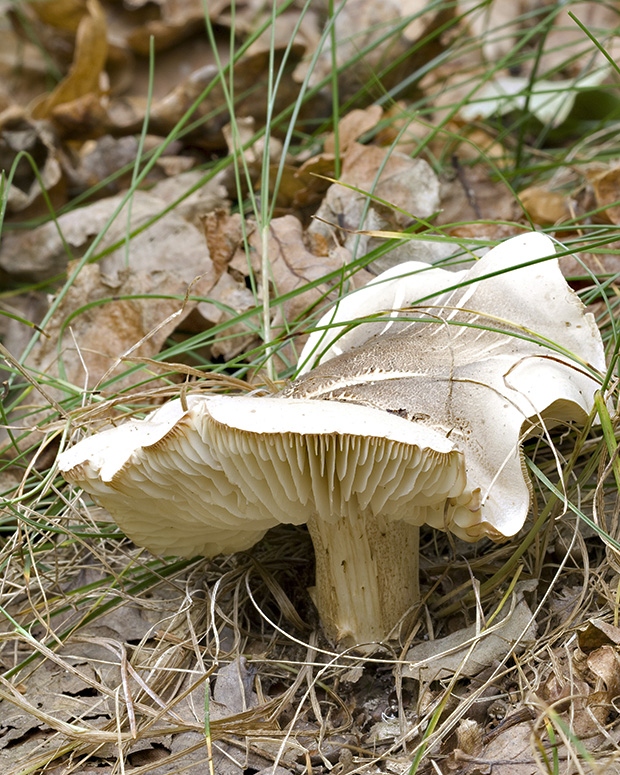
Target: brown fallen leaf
point(224, 234)
point(545, 207)
point(469, 652)
point(95, 330)
point(292, 265)
point(303, 38)
point(351, 127)
point(102, 159)
point(512, 751)
point(597, 633)
point(173, 21)
point(20, 134)
point(568, 50)
point(376, 29)
point(43, 252)
point(250, 76)
point(497, 25)
point(604, 663)
point(61, 14)
point(311, 175)
point(472, 195)
point(606, 187)
point(96, 324)
point(83, 78)
point(410, 185)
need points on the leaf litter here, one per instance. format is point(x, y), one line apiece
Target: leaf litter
point(116, 661)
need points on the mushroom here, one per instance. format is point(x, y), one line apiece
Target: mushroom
point(413, 415)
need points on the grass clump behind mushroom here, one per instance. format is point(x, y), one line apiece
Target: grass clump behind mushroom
point(414, 416)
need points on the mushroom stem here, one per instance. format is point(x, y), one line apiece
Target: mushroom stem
point(366, 577)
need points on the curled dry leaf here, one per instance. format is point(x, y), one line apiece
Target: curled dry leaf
point(172, 22)
point(606, 187)
point(20, 134)
point(83, 78)
point(351, 127)
point(398, 180)
point(545, 207)
point(470, 650)
point(61, 15)
point(312, 173)
point(114, 304)
point(597, 633)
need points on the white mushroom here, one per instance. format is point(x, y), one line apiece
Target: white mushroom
point(413, 418)
point(483, 364)
point(216, 477)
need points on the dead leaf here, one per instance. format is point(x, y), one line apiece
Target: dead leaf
point(287, 31)
point(401, 129)
point(62, 14)
point(568, 50)
point(176, 20)
point(597, 633)
point(408, 184)
point(233, 687)
point(102, 334)
point(496, 24)
point(19, 134)
point(102, 158)
point(366, 26)
point(473, 195)
point(83, 78)
point(442, 658)
point(292, 265)
point(165, 259)
point(543, 206)
point(351, 127)
point(312, 174)
point(604, 663)
point(250, 76)
point(41, 253)
point(223, 233)
point(606, 187)
point(512, 751)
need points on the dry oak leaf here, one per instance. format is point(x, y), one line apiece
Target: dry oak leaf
point(83, 78)
point(100, 334)
point(606, 187)
point(20, 134)
point(351, 127)
point(543, 206)
point(408, 184)
point(61, 14)
point(292, 266)
point(567, 49)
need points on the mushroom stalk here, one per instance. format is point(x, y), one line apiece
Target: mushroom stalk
point(367, 582)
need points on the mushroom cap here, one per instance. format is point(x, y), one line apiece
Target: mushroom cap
point(214, 477)
point(417, 415)
point(484, 364)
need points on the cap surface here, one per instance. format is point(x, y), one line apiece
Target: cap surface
point(481, 365)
